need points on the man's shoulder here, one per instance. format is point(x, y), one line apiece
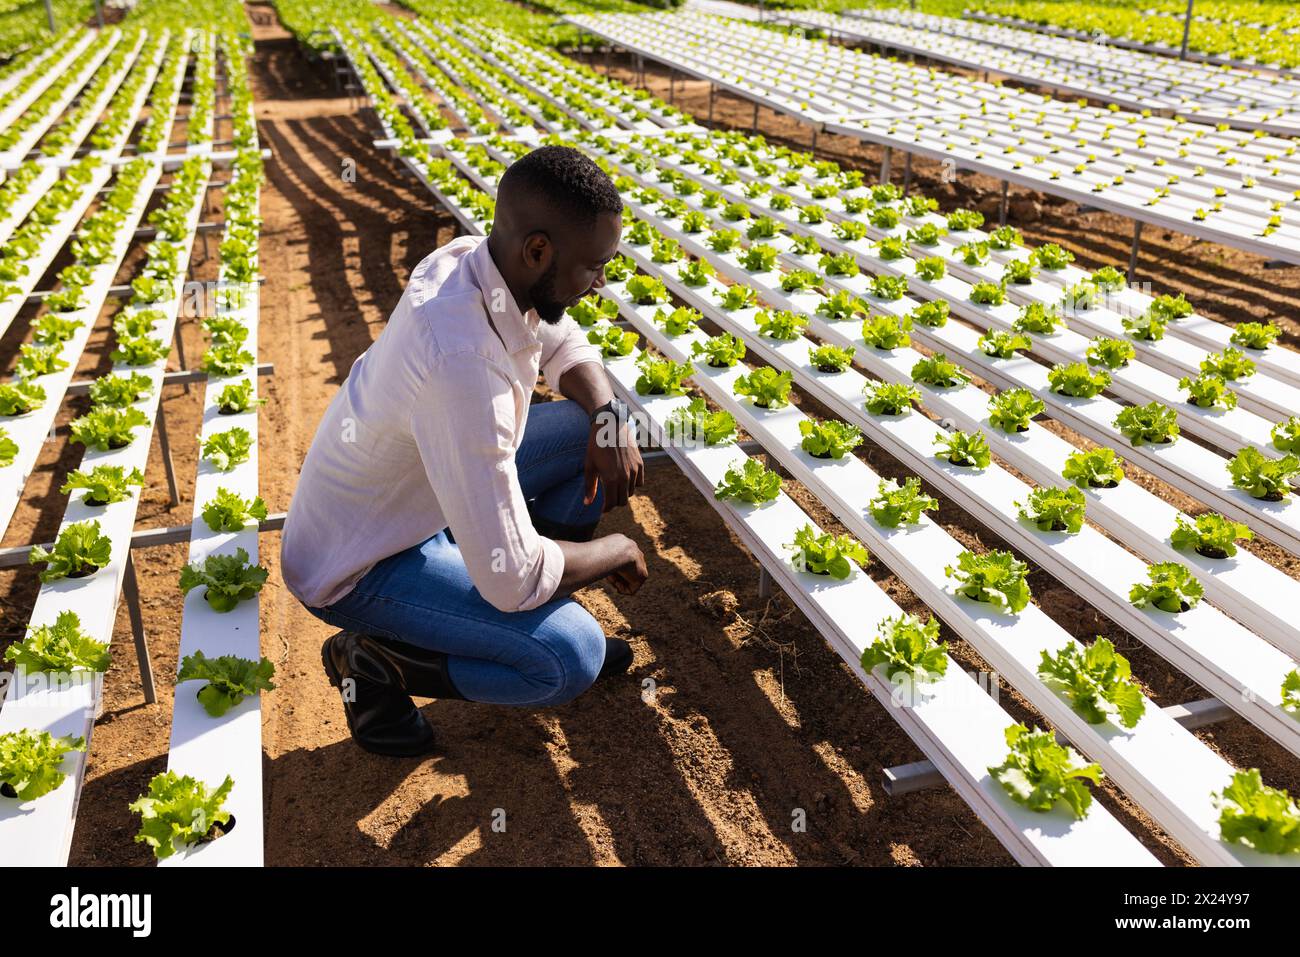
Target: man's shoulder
point(445, 272)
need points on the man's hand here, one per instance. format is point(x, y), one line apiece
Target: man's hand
point(628, 578)
point(617, 464)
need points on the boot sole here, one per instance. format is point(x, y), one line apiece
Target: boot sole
point(332, 673)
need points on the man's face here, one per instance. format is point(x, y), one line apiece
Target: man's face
point(577, 266)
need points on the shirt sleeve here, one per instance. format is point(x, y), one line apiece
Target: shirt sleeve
point(564, 345)
point(463, 423)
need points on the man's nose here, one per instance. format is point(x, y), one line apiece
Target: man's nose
point(600, 281)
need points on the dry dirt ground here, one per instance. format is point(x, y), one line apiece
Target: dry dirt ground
point(754, 723)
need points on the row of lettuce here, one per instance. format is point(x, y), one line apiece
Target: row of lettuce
point(30, 762)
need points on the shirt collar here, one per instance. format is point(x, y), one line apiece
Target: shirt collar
point(518, 330)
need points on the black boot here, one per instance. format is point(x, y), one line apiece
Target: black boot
point(419, 671)
point(379, 711)
point(618, 658)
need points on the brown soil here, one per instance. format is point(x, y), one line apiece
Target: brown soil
point(752, 717)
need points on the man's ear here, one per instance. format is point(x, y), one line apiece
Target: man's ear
point(538, 251)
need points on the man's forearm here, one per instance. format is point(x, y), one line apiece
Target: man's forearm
point(588, 385)
point(587, 562)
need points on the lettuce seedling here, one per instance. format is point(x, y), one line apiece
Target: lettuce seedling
point(20, 397)
point(890, 398)
point(1171, 308)
point(1002, 344)
point(696, 273)
point(1211, 535)
point(178, 811)
point(228, 579)
point(1039, 319)
point(619, 269)
point(762, 227)
point(829, 439)
point(937, 371)
point(118, 391)
point(1006, 237)
point(1149, 326)
point(60, 647)
point(841, 305)
point(750, 482)
point(1051, 256)
point(139, 350)
point(237, 397)
point(666, 251)
point(227, 511)
point(1098, 681)
point(996, 577)
point(1286, 435)
point(891, 248)
point(1264, 818)
point(230, 679)
point(1255, 335)
point(1231, 364)
point(1152, 423)
point(960, 220)
point(977, 254)
point(227, 449)
point(105, 427)
point(841, 264)
point(780, 323)
point(592, 309)
point(806, 246)
point(906, 645)
point(1054, 509)
point(1262, 477)
point(646, 291)
point(1110, 353)
point(720, 351)
point(759, 258)
point(103, 483)
point(1038, 772)
point(849, 230)
point(988, 293)
point(933, 314)
point(1208, 391)
point(889, 288)
point(831, 358)
point(51, 329)
point(886, 332)
point(678, 322)
point(1170, 586)
point(80, 550)
point(931, 268)
point(1011, 410)
point(970, 449)
point(1291, 693)
point(39, 360)
point(723, 240)
point(826, 554)
point(767, 388)
point(694, 423)
point(133, 323)
point(31, 762)
point(8, 449)
point(896, 504)
point(1076, 379)
point(927, 234)
point(1098, 468)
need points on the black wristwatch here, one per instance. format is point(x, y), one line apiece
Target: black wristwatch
point(614, 406)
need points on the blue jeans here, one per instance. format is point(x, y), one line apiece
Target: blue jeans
point(424, 596)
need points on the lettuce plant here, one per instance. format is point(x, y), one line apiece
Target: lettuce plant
point(696, 273)
point(767, 388)
point(887, 332)
point(1006, 237)
point(933, 314)
point(1170, 586)
point(750, 482)
point(694, 423)
point(1149, 326)
point(1097, 468)
point(1076, 379)
point(1002, 344)
point(592, 309)
point(842, 305)
point(931, 268)
point(678, 322)
point(1208, 391)
point(1098, 681)
point(720, 351)
point(826, 554)
point(227, 511)
point(1011, 410)
point(227, 579)
point(119, 391)
point(890, 398)
point(139, 350)
point(237, 397)
point(841, 264)
point(889, 288)
point(38, 360)
point(230, 679)
point(759, 258)
point(737, 297)
point(937, 371)
point(969, 449)
point(996, 577)
point(1262, 477)
point(105, 427)
point(831, 358)
point(20, 397)
point(1051, 256)
point(1211, 535)
point(988, 293)
point(1110, 353)
point(80, 550)
point(780, 323)
point(31, 762)
point(906, 645)
point(1152, 423)
point(60, 647)
point(1286, 435)
point(1039, 319)
point(896, 504)
point(1255, 335)
point(227, 449)
point(1231, 364)
point(1054, 509)
point(178, 811)
point(829, 438)
point(103, 483)
point(1264, 818)
point(1039, 772)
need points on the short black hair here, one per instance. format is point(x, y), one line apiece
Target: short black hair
point(566, 179)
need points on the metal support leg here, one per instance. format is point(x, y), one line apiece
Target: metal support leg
point(131, 589)
point(813, 148)
point(764, 583)
point(907, 173)
point(166, 448)
point(884, 164)
point(180, 352)
point(754, 128)
point(1002, 207)
point(672, 85)
point(713, 91)
point(1133, 254)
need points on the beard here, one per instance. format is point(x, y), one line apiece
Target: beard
point(544, 299)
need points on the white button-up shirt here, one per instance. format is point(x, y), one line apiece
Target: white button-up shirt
point(422, 436)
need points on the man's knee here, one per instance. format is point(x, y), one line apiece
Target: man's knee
point(577, 645)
